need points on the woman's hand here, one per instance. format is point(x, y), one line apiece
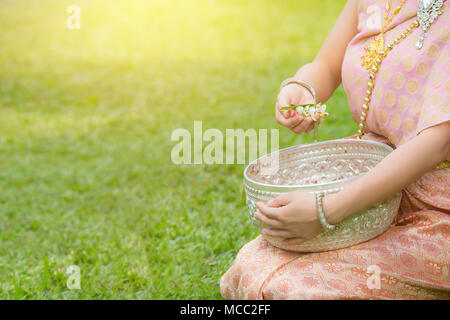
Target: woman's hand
point(292, 216)
point(324, 73)
point(294, 94)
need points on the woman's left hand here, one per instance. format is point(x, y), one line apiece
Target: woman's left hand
point(292, 216)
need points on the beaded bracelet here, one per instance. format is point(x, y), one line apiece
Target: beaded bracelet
point(322, 218)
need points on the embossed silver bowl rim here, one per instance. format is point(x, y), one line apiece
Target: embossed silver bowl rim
point(328, 185)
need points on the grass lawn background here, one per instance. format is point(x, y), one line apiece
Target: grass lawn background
point(85, 123)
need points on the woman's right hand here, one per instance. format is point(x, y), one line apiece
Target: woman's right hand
point(294, 94)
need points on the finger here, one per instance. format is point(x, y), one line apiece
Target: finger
point(293, 241)
point(309, 123)
point(270, 212)
point(280, 118)
point(300, 128)
point(289, 123)
point(286, 114)
point(283, 102)
point(292, 122)
point(279, 201)
point(277, 233)
point(295, 121)
point(311, 127)
point(270, 223)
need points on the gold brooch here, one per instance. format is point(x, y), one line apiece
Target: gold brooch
point(372, 52)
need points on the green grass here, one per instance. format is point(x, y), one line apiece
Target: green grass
point(86, 118)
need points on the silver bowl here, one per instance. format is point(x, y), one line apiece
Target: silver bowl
point(328, 166)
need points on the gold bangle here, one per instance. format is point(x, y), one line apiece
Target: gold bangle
point(301, 83)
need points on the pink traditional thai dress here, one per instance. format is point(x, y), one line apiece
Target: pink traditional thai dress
point(412, 93)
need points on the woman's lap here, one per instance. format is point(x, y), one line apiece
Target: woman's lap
point(412, 258)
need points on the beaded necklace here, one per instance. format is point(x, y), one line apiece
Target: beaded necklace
point(374, 55)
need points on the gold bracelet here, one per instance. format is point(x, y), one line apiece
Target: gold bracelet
point(301, 83)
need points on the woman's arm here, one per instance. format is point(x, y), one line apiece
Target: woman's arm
point(399, 169)
point(294, 215)
point(324, 73)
